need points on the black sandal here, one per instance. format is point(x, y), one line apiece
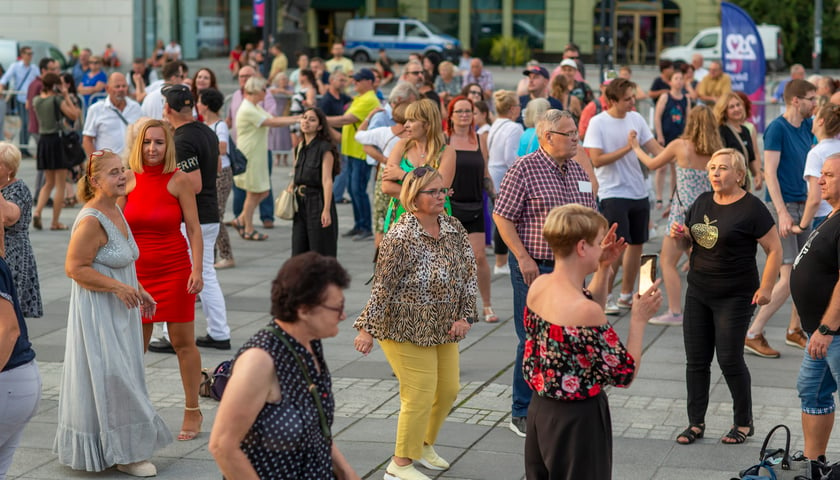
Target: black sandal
point(254, 235)
point(690, 434)
point(736, 436)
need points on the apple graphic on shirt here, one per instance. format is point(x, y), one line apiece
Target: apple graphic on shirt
point(705, 234)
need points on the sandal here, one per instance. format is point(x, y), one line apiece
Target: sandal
point(254, 235)
point(691, 434)
point(736, 436)
point(59, 226)
point(187, 435)
point(490, 316)
point(36, 222)
point(238, 226)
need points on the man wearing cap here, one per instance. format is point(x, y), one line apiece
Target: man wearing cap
point(353, 153)
point(106, 121)
point(538, 88)
point(197, 153)
point(581, 90)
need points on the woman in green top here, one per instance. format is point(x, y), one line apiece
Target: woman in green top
point(53, 102)
point(424, 146)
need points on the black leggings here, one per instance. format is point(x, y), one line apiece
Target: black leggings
point(716, 323)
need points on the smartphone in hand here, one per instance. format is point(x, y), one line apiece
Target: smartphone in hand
point(647, 272)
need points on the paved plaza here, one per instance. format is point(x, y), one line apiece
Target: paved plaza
point(475, 438)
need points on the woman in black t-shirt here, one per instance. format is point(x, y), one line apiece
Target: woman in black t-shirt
point(315, 225)
point(724, 227)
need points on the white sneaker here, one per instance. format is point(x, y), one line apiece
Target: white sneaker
point(611, 308)
point(431, 460)
point(408, 472)
point(503, 270)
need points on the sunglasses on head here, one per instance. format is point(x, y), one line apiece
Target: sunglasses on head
point(97, 153)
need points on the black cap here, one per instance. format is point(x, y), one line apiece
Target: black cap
point(178, 96)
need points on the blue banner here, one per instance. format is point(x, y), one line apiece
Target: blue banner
point(742, 55)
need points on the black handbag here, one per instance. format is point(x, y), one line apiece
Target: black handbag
point(778, 463)
point(71, 143)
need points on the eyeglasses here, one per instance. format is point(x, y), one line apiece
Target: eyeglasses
point(572, 134)
point(810, 99)
point(418, 72)
point(97, 153)
point(437, 191)
point(462, 112)
point(334, 309)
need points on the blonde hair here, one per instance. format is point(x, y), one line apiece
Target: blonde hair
point(131, 133)
point(446, 65)
point(10, 156)
point(535, 109)
point(736, 160)
point(135, 159)
point(505, 100)
point(722, 104)
point(428, 112)
point(701, 130)
point(568, 224)
point(84, 187)
point(413, 184)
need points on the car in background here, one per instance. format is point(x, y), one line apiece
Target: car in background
point(521, 29)
point(708, 41)
point(10, 52)
point(400, 37)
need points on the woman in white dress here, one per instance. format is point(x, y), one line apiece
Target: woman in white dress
point(105, 417)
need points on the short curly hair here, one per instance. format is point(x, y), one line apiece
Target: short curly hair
point(302, 282)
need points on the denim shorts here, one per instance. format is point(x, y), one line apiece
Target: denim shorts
point(818, 380)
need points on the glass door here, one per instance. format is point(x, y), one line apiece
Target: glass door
point(637, 38)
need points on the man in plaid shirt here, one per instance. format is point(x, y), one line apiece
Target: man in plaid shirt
point(531, 188)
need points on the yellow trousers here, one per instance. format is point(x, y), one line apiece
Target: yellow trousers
point(429, 383)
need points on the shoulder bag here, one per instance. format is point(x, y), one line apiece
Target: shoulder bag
point(71, 142)
point(285, 206)
point(238, 161)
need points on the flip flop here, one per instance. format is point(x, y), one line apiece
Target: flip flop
point(255, 236)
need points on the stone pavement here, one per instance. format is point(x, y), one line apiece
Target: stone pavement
point(475, 438)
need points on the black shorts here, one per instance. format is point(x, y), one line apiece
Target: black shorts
point(471, 215)
point(632, 217)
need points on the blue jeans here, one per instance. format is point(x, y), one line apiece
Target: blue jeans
point(359, 172)
point(521, 390)
point(266, 206)
point(340, 181)
point(818, 380)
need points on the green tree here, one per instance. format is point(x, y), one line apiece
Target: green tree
point(796, 17)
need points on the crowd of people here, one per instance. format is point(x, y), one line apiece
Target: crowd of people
point(552, 177)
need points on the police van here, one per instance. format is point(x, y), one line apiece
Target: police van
point(364, 37)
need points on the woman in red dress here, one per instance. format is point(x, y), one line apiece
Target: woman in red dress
point(159, 198)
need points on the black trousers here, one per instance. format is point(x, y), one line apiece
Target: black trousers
point(307, 233)
point(716, 323)
point(568, 440)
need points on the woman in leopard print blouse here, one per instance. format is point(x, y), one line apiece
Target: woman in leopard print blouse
point(422, 303)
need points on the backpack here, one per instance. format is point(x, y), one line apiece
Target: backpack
point(238, 161)
point(213, 383)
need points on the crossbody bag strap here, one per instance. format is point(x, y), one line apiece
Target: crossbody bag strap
point(310, 385)
point(119, 114)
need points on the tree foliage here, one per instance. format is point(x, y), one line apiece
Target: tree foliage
point(796, 17)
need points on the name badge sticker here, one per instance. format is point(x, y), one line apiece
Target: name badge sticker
point(585, 187)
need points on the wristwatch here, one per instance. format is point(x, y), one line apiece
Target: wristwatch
point(823, 329)
point(471, 320)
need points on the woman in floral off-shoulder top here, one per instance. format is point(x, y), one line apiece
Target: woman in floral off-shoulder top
point(422, 303)
point(572, 353)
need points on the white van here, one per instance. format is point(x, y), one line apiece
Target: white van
point(363, 37)
point(708, 43)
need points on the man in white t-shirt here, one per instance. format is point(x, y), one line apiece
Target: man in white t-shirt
point(172, 51)
point(623, 192)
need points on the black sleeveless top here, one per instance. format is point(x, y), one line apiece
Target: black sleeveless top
point(285, 441)
point(741, 142)
point(308, 164)
point(469, 176)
